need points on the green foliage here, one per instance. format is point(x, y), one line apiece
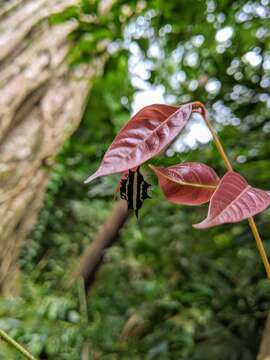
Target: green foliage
point(165, 291)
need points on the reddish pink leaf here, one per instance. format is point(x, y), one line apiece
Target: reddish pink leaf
point(234, 200)
point(187, 183)
point(144, 136)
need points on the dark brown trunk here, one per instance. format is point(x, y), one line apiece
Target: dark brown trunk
point(107, 235)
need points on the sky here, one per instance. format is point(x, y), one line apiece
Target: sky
point(196, 132)
point(140, 67)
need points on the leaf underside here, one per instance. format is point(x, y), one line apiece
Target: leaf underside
point(234, 200)
point(187, 183)
point(144, 136)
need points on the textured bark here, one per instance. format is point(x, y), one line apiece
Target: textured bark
point(264, 352)
point(41, 103)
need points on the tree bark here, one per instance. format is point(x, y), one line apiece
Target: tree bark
point(41, 104)
point(264, 351)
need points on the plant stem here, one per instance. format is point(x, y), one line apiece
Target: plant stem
point(218, 144)
point(15, 345)
point(259, 244)
point(228, 165)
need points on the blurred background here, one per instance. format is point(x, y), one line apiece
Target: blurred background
point(79, 279)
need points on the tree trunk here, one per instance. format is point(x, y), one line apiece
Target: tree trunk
point(41, 104)
point(264, 351)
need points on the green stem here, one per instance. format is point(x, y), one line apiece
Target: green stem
point(15, 345)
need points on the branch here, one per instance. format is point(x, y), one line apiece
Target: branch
point(264, 352)
point(107, 235)
point(15, 345)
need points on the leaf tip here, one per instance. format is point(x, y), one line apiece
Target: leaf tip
point(200, 225)
point(90, 178)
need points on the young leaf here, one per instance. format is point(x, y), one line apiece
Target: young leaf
point(144, 136)
point(234, 200)
point(187, 183)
